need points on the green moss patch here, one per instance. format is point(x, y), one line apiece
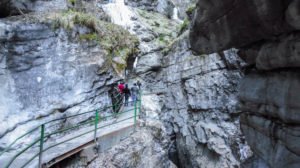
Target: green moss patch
point(113, 38)
point(184, 24)
point(165, 28)
point(191, 9)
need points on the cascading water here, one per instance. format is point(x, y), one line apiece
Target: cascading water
point(175, 15)
point(120, 14)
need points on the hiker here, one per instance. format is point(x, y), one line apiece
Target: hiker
point(120, 87)
point(138, 82)
point(127, 93)
point(134, 93)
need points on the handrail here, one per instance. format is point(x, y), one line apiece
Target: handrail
point(46, 136)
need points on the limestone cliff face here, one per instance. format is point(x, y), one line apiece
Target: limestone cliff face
point(267, 33)
point(193, 95)
point(47, 74)
point(165, 7)
point(198, 95)
point(50, 70)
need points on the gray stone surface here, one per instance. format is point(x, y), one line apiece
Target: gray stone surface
point(164, 7)
point(149, 62)
point(144, 148)
point(271, 114)
point(272, 94)
point(278, 145)
point(46, 74)
point(269, 42)
point(18, 7)
point(198, 95)
point(293, 14)
point(219, 25)
point(281, 53)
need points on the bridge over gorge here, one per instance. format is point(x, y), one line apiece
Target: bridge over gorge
point(99, 132)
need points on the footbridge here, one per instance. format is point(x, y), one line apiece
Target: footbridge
point(99, 132)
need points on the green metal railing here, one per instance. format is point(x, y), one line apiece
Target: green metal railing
point(43, 136)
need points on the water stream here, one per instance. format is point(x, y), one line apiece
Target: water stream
point(120, 14)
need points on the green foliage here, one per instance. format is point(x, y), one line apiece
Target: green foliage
point(160, 24)
point(203, 55)
point(89, 37)
point(113, 38)
point(72, 2)
point(191, 8)
point(135, 158)
point(184, 24)
point(161, 37)
point(121, 66)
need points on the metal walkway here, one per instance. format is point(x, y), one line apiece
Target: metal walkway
point(46, 151)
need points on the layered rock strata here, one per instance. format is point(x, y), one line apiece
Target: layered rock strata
point(267, 33)
point(52, 65)
point(197, 95)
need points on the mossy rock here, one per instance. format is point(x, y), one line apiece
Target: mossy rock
point(112, 38)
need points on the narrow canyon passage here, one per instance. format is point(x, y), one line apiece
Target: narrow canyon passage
point(220, 80)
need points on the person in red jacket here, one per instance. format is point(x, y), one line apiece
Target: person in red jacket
point(121, 87)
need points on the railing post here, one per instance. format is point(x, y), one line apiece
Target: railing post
point(140, 103)
point(116, 110)
point(41, 145)
point(135, 112)
point(96, 123)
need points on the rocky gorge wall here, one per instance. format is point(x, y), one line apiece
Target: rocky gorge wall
point(197, 97)
point(193, 95)
point(267, 35)
point(52, 65)
point(196, 87)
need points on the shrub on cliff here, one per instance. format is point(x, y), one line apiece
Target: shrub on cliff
point(117, 41)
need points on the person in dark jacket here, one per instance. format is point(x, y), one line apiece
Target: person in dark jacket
point(138, 82)
point(127, 93)
point(134, 93)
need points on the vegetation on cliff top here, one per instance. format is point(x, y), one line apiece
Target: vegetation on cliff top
point(165, 28)
point(117, 41)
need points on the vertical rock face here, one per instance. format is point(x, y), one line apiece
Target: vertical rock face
point(194, 96)
point(198, 95)
point(18, 7)
point(47, 73)
point(220, 25)
point(267, 33)
point(145, 148)
point(162, 6)
point(201, 101)
point(165, 7)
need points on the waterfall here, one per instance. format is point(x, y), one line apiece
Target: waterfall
point(120, 13)
point(175, 15)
